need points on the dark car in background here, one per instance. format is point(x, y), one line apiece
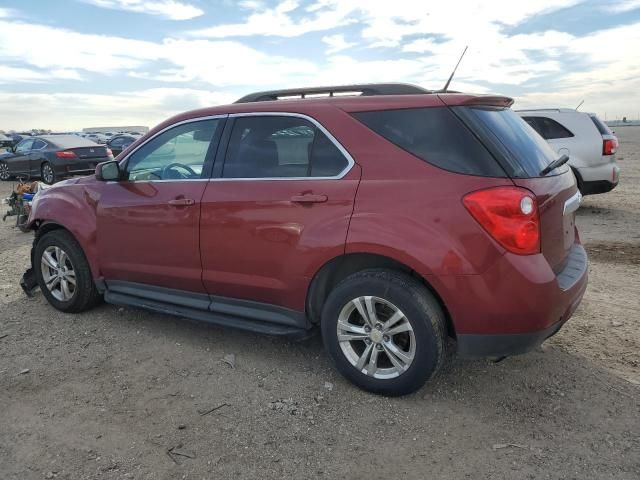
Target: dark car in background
point(5, 141)
point(52, 157)
point(120, 142)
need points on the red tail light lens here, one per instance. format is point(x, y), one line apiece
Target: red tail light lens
point(66, 154)
point(509, 215)
point(609, 146)
point(109, 152)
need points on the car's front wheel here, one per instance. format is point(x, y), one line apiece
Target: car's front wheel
point(384, 331)
point(48, 174)
point(4, 171)
point(63, 272)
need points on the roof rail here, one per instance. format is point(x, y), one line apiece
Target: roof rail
point(365, 89)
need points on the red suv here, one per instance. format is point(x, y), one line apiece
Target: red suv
point(391, 217)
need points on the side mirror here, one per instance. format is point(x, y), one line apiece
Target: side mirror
point(108, 171)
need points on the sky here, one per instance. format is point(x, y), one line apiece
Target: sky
point(71, 64)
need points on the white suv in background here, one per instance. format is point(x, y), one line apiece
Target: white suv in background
point(588, 142)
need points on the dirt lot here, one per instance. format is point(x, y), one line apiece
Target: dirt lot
point(121, 393)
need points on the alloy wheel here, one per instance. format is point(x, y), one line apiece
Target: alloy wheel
point(4, 171)
point(376, 337)
point(58, 273)
point(47, 173)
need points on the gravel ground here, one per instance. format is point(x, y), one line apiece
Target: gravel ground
point(121, 393)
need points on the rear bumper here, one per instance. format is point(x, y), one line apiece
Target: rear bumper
point(515, 305)
point(597, 186)
point(78, 167)
point(481, 346)
point(598, 179)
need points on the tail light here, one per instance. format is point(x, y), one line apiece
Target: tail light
point(66, 154)
point(109, 152)
point(609, 146)
point(509, 215)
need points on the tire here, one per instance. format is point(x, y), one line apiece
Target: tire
point(390, 293)
point(48, 173)
point(57, 245)
point(4, 171)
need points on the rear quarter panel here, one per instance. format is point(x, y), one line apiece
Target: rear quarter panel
point(411, 211)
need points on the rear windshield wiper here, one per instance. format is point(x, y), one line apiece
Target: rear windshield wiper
point(555, 164)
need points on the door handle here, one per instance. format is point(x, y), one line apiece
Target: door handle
point(181, 202)
point(309, 198)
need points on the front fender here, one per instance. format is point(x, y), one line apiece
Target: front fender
point(72, 207)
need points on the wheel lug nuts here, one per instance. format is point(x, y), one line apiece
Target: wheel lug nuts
point(367, 341)
point(379, 347)
point(386, 338)
point(367, 328)
point(378, 326)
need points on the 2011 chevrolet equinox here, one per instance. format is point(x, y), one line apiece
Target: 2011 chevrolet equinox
point(390, 216)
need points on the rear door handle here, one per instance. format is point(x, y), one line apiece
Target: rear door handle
point(309, 198)
point(181, 202)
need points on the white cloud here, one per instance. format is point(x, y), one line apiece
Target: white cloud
point(408, 41)
point(279, 22)
point(27, 75)
point(171, 9)
point(80, 110)
point(6, 13)
point(337, 43)
point(220, 63)
point(621, 6)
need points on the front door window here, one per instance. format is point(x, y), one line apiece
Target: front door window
point(177, 154)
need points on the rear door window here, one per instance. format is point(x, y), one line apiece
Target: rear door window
point(280, 147)
point(436, 136)
point(38, 144)
point(523, 152)
point(548, 128)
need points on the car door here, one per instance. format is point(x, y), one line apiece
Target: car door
point(278, 208)
point(36, 156)
point(19, 164)
point(147, 223)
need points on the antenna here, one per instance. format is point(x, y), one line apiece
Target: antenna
point(579, 105)
point(446, 85)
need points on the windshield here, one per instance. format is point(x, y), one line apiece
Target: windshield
point(526, 152)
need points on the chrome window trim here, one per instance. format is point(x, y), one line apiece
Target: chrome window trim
point(350, 161)
point(573, 203)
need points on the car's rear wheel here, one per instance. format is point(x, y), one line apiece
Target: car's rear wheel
point(48, 174)
point(4, 171)
point(63, 272)
point(384, 331)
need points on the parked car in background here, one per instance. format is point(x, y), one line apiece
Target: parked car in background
point(5, 141)
point(589, 143)
point(118, 143)
point(16, 138)
point(97, 138)
point(52, 158)
point(393, 220)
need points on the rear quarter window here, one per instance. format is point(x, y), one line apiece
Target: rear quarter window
point(436, 136)
point(548, 128)
point(517, 145)
point(600, 125)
